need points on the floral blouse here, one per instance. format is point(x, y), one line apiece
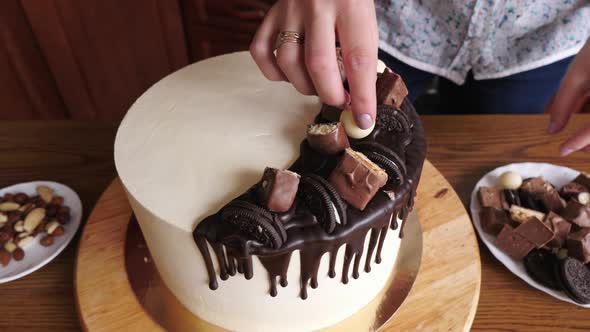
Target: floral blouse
point(492, 38)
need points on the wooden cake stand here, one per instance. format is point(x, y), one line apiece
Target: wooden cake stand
point(118, 288)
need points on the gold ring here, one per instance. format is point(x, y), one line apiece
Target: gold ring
point(289, 37)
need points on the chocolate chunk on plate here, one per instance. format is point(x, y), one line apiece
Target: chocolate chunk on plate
point(513, 244)
point(583, 179)
point(540, 264)
point(577, 213)
point(536, 232)
point(572, 189)
point(574, 278)
point(490, 197)
point(492, 220)
point(578, 245)
point(561, 228)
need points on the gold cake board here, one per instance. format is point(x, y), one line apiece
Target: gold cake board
point(118, 289)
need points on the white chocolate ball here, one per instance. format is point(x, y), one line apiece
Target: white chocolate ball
point(509, 180)
point(352, 130)
point(584, 198)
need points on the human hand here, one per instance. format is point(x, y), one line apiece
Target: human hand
point(313, 68)
point(572, 96)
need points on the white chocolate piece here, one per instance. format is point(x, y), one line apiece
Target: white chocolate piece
point(509, 180)
point(584, 198)
point(352, 130)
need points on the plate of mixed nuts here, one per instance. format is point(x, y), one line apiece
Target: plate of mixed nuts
point(37, 221)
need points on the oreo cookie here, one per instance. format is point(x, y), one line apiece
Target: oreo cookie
point(278, 225)
point(369, 146)
point(574, 277)
point(511, 197)
point(390, 119)
point(540, 265)
point(530, 201)
point(318, 201)
point(338, 202)
point(248, 218)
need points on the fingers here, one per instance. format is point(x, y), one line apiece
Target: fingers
point(572, 92)
point(357, 29)
point(580, 141)
point(320, 58)
point(263, 44)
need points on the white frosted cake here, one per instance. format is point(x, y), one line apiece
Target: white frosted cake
point(202, 137)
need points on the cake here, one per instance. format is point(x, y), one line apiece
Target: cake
point(191, 153)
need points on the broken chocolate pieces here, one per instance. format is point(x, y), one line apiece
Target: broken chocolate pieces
point(492, 220)
point(578, 245)
point(278, 189)
point(521, 215)
point(327, 138)
point(583, 179)
point(512, 243)
point(490, 197)
point(391, 89)
point(572, 189)
point(577, 213)
point(357, 179)
point(536, 232)
point(561, 228)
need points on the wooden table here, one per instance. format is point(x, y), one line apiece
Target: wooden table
point(462, 147)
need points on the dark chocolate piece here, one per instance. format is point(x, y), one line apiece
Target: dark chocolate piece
point(328, 138)
point(252, 224)
point(278, 189)
point(330, 113)
point(574, 278)
point(490, 197)
point(391, 89)
point(513, 244)
point(583, 179)
point(536, 185)
point(530, 200)
point(577, 213)
point(536, 232)
point(318, 201)
point(572, 189)
point(552, 201)
point(578, 245)
point(561, 228)
point(540, 264)
point(492, 220)
point(356, 178)
point(510, 198)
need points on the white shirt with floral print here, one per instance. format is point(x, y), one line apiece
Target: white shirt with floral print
point(491, 38)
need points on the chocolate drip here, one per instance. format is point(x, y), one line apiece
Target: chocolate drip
point(234, 250)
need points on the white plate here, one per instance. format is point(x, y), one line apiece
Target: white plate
point(36, 255)
point(558, 176)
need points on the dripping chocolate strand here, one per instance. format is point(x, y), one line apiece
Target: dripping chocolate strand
point(332, 268)
point(372, 245)
point(218, 249)
point(202, 245)
point(382, 235)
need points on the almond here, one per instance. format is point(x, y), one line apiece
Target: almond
point(47, 241)
point(18, 254)
point(25, 241)
point(3, 217)
point(10, 246)
point(52, 226)
point(23, 235)
point(33, 219)
point(19, 226)
point(46, 193)
point(9, 206)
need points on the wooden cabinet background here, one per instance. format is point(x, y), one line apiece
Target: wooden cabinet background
point(90, 59)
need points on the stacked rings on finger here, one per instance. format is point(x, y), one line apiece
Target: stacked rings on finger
point(289, 37)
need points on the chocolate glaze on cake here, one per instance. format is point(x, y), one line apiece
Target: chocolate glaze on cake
point(398, 130)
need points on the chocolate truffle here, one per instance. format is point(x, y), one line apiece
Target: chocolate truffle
point(513, 244)
point(278, 189)
point(327, 138)
point(356, 178)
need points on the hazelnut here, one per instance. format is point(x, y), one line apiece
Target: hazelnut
point(47, 241)
point(57, 200)
point(18, 254)
point(21, 198)
point(19, 226)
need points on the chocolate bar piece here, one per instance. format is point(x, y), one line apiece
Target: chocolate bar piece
point(583, 179)
point(513, 244)
point(492, 220)
point(327, 138)
point(552, 201)
point(536, 231)
point(490, 197)
point(521, 215)
point(561, 228)
point(572, 189)
point(391, 89)
point(578, 245)
point(278, 189)
point(535, 185)
point(356, 178)
point(577, 213)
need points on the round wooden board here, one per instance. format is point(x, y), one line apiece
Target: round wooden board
point(444, 296)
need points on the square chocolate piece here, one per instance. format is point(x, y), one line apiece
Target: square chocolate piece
point(577, 213)
point(327, 138)
point(490, 197)
point(578, 245)
point(391, 89)
point(492, 220)
point(513, 244)
point(521, 215)
point(561, 228)
point(536, 231)
point(278, 189)
point(357, 179)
